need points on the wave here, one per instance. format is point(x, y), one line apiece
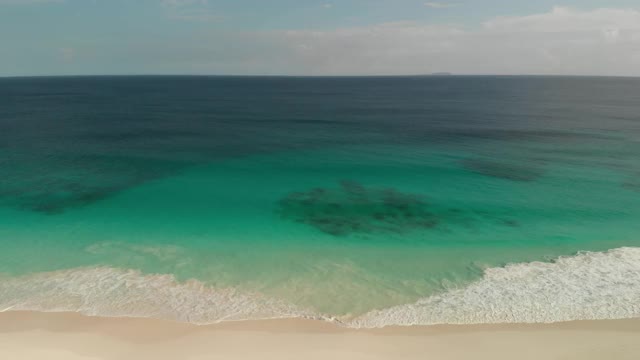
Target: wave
point(113, 292)
point(587, 286)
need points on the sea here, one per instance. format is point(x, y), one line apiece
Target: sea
point(364, 201)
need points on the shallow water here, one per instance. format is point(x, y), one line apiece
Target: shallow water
point(330, 197)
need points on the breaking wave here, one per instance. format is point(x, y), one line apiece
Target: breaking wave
point(128, 293)
point(587, 286)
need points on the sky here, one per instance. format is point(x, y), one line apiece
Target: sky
point(319, 37)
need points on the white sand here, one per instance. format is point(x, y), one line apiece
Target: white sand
point(31, 335)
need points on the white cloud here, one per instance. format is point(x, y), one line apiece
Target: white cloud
point(558, 42)
point(384, 48)
point(564, 19)
point(561, 41)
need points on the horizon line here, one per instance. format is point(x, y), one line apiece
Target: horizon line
point(441, 75)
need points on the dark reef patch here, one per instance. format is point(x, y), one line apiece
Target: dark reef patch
point(633, 185)
point(353, 208)
point(502, 170)
point(65, 183)
point(510, 223)
point(57, 203)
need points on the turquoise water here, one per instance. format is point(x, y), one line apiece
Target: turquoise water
point(315, 224)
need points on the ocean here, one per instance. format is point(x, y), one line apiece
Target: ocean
point(368, 201)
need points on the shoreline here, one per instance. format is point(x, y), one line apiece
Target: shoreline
point(585, 286)
point(73, 336)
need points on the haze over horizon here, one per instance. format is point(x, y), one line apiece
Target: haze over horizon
point(286, 37)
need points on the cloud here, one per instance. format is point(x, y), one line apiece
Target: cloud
point(564, 19)
point(558, 42)
point(561, 41)
point(384, 48)
point(439, 5)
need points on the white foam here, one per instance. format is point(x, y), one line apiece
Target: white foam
point(127, 293)
point(588, 286)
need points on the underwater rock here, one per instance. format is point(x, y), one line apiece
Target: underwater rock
point(502, 170)
point(353, 208)
point(57, 203)
point(74, 181)
point(510, 222)
point(632, 184)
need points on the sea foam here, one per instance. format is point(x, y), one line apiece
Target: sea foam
point(588, 286)
point(113, 292)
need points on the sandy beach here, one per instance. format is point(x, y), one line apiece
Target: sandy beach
point(32, 335)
